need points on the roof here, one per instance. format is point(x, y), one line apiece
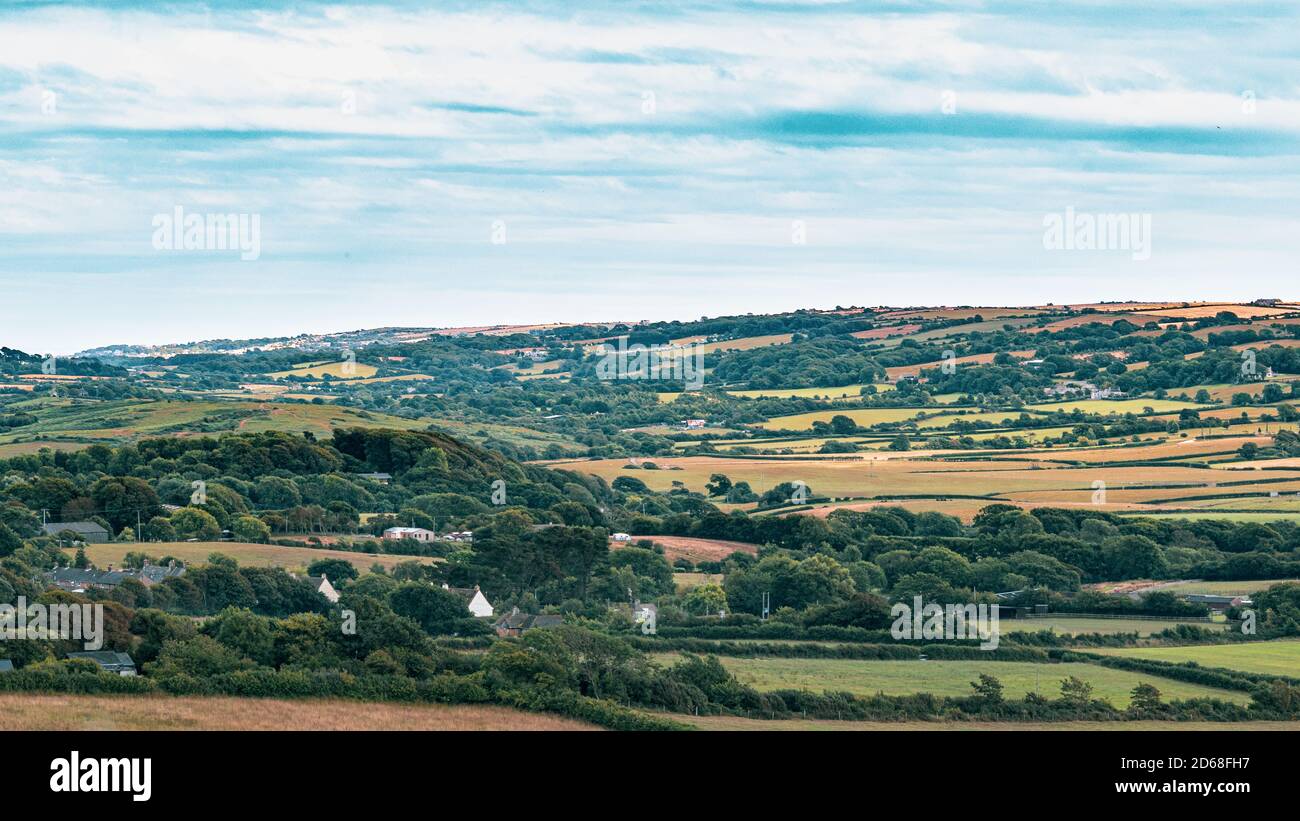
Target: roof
point(375, 475)
point(514, 620)
point(107, 659)
point(75, 576)
point(55, 528)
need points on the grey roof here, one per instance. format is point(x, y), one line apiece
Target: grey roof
point(65, 576)
point(515, 620)
point(55, 528)
point(108, 659)
point(158, 572)
point(6, 666)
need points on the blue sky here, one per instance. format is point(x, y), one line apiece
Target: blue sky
point(641, 161)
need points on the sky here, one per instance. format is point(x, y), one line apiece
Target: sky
point(450, 164)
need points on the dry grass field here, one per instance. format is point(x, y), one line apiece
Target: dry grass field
point(40, 711)
point(252, 555)
point(338, 370)
point(699, 550)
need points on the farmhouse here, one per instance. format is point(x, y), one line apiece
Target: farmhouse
point(515, 623)
point(478, 605)
point(88, 532)
point(419, 534)
point(108, 661)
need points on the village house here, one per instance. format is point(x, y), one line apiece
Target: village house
point(419, 534)
point(78, 580)
point(460, 536)
point(321, 584)
point(108, 661)
point(478, 605)
point(515, 623)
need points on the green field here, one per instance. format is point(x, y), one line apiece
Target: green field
point(1107, 406)
point(1072, 626)
point(1267, 657)
point(953, 678)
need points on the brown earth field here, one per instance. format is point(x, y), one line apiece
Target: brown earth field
point(41, 711)
point(699, 550)
point(247, 554)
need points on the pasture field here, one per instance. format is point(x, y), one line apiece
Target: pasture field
point(117, 420)
point(1069, 626)
point(337, 370)
point(734, 723)
point(27, 448)
point(1235, 588)
point(953, 678)
point(866, 417)
point(1281, 657)
point(248, 555)
point(42, 711)
point(689, 581)
point(1118, 406)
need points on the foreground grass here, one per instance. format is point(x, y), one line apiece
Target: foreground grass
point(248, 555)
point(953, 678)
point(1265, 657)
point(39, 711)
point(731, 723)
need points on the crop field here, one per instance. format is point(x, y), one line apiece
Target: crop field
point(251, 555)
point(1280, 657)
point(1030, 480)
point(953, 678)
point(41, 711)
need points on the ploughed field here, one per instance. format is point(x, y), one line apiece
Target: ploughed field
point(248, 555)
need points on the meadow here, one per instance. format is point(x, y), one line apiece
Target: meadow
point(1280, 658)
point(953, 678)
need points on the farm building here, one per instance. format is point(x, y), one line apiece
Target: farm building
point(419, 534)
point(108, 661)
point(88, 532)
point(1216, 603)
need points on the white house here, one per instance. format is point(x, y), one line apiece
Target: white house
point(419, 534)
point(321, 584)
point(621, 537)
point(479, 606)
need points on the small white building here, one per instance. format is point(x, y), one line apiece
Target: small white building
point(419, 534)
point(620, 537)
point(321, 584)
point(478, 605)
